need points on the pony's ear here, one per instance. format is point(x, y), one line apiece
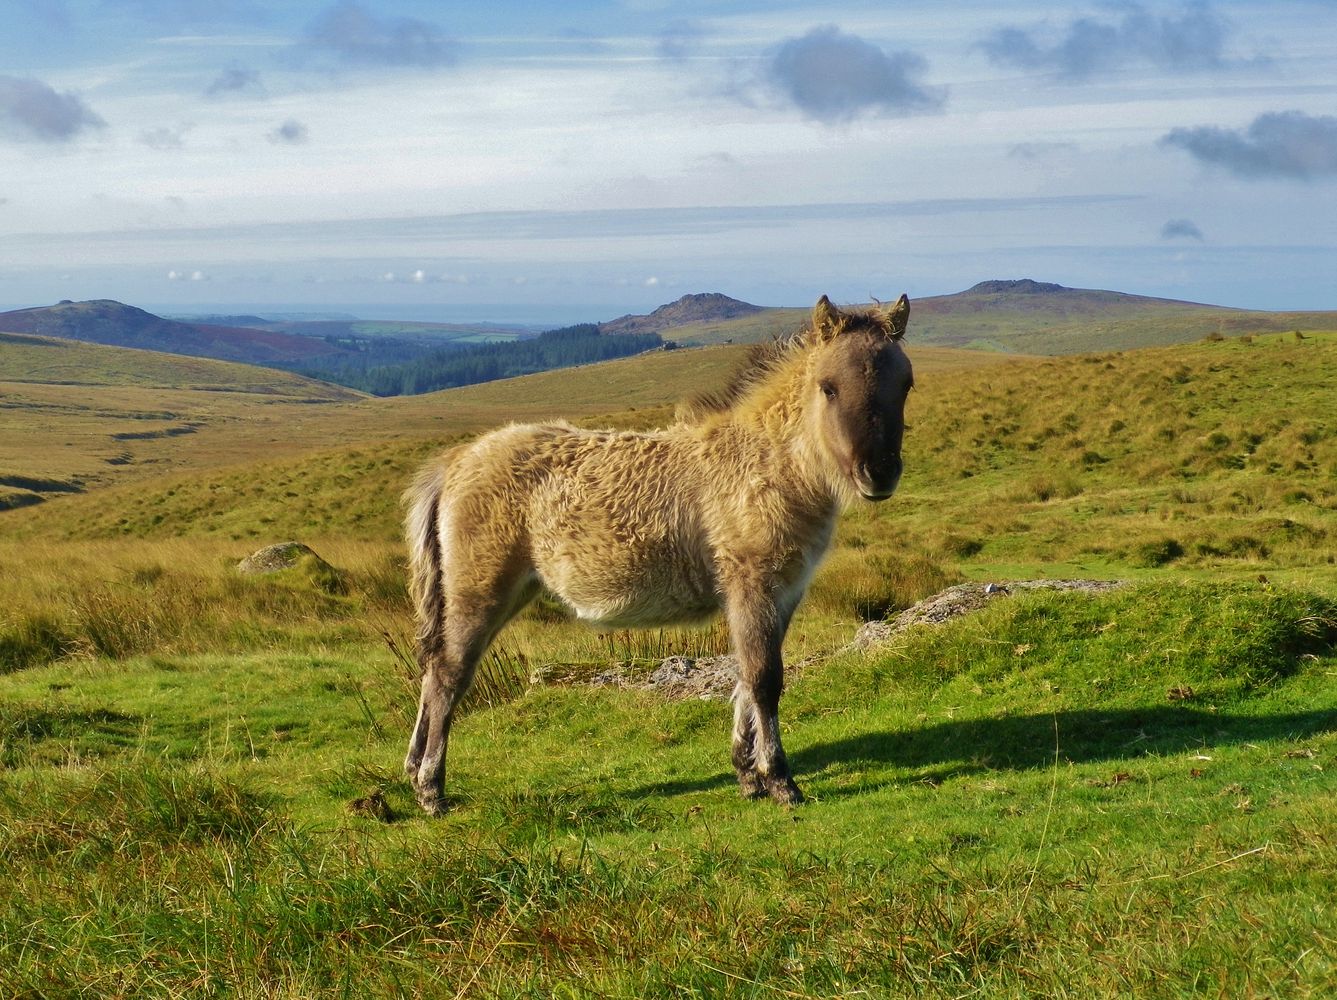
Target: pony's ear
point(897, 318)
point(825, 318)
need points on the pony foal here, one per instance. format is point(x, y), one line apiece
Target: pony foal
point(729, 509)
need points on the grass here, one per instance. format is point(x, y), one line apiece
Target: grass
point(1062, 795)
point(1012, 823)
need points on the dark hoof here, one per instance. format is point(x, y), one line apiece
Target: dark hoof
point(784, 791)
point(434, 805)
point(751, 785)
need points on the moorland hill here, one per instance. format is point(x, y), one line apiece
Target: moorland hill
point(106, 321)
point(708, 307)
point(1025, 316)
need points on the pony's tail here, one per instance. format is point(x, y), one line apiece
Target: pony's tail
point(423, 499)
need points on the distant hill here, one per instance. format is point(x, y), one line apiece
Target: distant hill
point(78, 415)
point(1025, 316)
point(1021, 286)
point(708, 307)
point(105, 321)
point(1024, 295)
point(33, 360)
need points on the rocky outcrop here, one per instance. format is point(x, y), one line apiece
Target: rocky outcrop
point(963, 599)
point(709, 307)
point(713, 677)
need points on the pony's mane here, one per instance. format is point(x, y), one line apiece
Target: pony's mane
point(766, 358)
point(761, 362)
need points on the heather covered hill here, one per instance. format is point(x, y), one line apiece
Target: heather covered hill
point(105, 321)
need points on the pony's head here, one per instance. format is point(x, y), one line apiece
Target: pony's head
point(857, 380)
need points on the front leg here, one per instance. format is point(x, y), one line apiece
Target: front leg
point(758, 627)
point(750, 783)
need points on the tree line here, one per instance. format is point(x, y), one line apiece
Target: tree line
point(448, 367)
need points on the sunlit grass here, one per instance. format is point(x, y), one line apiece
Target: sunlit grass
point(1062, 795)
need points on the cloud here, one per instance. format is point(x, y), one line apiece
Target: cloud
point(37, 110)
point(235, 80)
point(292, 133)
point(175, 275)
point(354, 35)
point(835, 77)
point(1276, 144)
point(164, 137)
point(1185, 229)
point(677, 40)
point(575, 40)
point(1087, 47)
point(1039, 150)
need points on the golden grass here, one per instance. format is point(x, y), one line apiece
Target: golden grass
point(130, 431)
point(1212, 458)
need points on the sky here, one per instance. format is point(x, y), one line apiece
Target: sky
point(562, 161)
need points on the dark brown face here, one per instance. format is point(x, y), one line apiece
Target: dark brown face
point(860, 384)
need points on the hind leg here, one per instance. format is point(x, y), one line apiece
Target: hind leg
point(445, 681)
point(448, 670)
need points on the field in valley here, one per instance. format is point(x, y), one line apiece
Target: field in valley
point(1061, 795)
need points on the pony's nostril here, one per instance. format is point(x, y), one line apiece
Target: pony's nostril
point(878, 479)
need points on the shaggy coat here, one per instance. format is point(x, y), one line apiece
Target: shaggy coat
point(730, 509)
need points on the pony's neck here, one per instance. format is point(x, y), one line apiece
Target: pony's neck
point(774, 412)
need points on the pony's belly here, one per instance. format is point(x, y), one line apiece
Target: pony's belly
point(626, 596)
point(647, 614)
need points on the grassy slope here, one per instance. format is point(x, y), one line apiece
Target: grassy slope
point(1061, 796)
point(289, 458)
point(74, 415)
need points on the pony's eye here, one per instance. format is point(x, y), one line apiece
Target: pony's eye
point(828, 390)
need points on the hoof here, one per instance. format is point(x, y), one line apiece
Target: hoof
point(434, 805)
point(751, 785)
point(784, 791)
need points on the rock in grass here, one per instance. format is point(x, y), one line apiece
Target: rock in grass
point(962, 599)
point(294, 555)
point(273, 558)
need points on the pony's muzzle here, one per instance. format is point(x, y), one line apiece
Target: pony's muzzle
point(877, 481)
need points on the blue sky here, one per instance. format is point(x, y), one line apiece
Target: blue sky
point(579, 160)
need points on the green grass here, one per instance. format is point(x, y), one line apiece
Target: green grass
point(983, 817)
point(1062, 795)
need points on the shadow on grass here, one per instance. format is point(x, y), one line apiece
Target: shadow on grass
point(1023, 742)
point(27, 732)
